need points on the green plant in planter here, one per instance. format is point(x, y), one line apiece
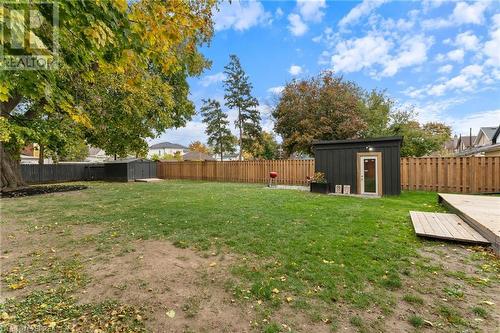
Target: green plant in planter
point(319, 177)
point(319, 184)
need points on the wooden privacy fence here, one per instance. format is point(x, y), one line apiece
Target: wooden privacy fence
point(451, 174)
point(289, 171)
point(441, 174)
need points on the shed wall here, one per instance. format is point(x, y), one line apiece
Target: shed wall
point(338, 162)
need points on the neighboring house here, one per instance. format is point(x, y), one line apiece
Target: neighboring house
point(30, 155)
point(163, 148)
point(464, 143)
point(197, 156)
point(96, 155)
point(486, 143)
point(228, 157)
point(485, 136)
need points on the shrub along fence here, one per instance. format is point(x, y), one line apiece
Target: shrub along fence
point(442, 174)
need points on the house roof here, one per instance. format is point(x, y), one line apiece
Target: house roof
point(197, 156)
point(477, 150)
point(495, 137)
point(451, 144)
point(467, 140)
point(93, 151)
point(489, 132)
point(167, 145)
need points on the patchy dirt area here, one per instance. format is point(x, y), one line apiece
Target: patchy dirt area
point(164, 280)
point(165, 288)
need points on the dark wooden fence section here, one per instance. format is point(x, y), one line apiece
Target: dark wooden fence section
point(451, 174)
point(51, 173)
point(440, 174)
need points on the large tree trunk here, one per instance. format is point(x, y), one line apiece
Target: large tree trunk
point(240, 140)
point(10, 170)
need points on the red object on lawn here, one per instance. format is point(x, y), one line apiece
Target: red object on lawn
point(272, 178)
point(273, 174)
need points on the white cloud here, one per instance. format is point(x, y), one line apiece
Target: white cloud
point(467, 40)
point(469, 14)
point(295, 70)
point(208, 80)
point(193, 131)
point(492, 46)
point(240, 15)
point(279, 12)
point(436, 109)
point(297, 27)
point(431, 4)
point(363, 9)
point(463, 13)
point(467, 81)
point(311, 10)
point(413, 51)
point(276, 90)
point(445, 69)
point(355, 54)
point(456, 55)
point(461, 125)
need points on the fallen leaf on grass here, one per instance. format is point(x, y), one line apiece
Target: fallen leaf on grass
point(275, 291)
point(428, 323)
point(487, 302)
point(5, 316)
point(213, 264)
point(170, 314)
point(289, 299)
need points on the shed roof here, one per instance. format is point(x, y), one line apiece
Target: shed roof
point(367, 140)
point(168, 145)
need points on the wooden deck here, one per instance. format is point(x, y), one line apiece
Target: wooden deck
point(445, 226)
point(480, 211)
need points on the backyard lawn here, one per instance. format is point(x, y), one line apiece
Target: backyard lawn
point(186, 256)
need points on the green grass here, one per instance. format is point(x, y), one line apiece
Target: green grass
point(413, 299)
point(329, 248)
point(416, 321)
point(480, 311)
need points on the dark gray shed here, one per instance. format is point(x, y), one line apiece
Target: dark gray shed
point(129, 169)
point(368, 166)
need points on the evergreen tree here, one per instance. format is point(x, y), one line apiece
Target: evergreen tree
point(219, 134)
point(239, 97)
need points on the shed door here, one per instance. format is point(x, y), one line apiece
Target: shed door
point(370, 173)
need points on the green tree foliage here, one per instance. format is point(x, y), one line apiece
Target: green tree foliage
point(220, 137)
point(142, 50)
point(268, 147)
point(327, 107)
point(324, 107)
point(198, 146)
point(238, 96)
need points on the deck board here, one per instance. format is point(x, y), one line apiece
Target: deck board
point(481, 212)
point(445, 226)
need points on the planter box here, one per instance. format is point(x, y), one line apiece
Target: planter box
point(320, 188)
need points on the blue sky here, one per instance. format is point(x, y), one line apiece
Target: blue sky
point(442, 57)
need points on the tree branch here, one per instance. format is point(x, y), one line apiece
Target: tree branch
point(7, 107)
